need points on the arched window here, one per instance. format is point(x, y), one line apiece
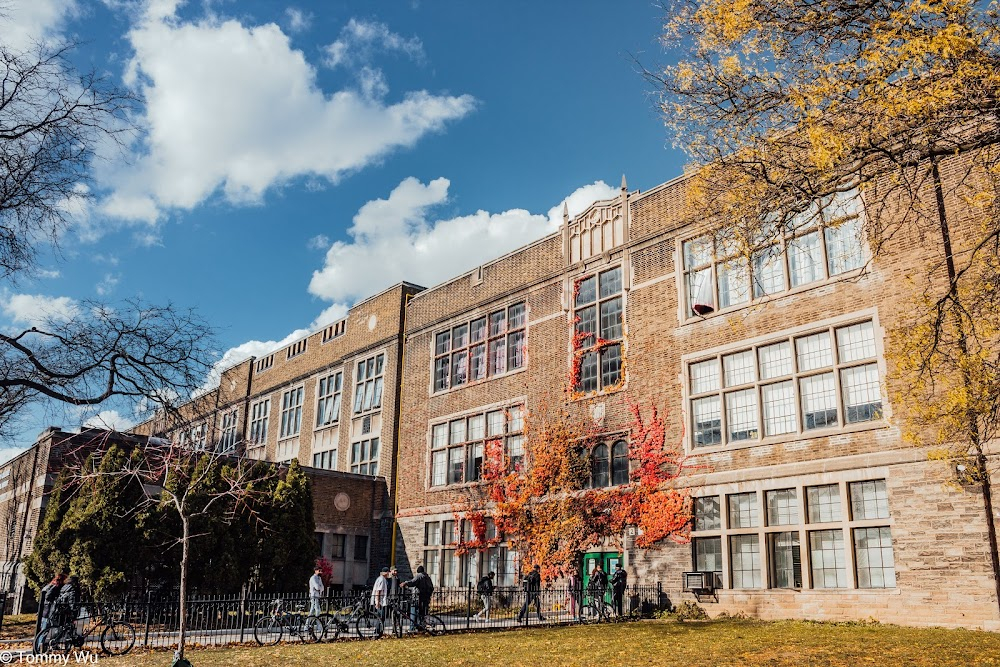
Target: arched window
point(600, 467)
point(619, 463)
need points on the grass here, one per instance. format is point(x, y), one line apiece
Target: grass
point(19, 626)
point(667, 643)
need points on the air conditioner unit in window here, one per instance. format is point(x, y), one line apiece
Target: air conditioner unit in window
point(699, 582)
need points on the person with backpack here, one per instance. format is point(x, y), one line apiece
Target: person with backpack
point(619, 582)
point(485, 590)
point(532, 593)
point(424, 588)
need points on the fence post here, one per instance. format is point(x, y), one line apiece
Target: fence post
point(659, 596)
point(468, 605)
point(149, 601)
point(243, 611)
point(3, 609)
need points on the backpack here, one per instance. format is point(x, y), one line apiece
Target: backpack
point(484, 586)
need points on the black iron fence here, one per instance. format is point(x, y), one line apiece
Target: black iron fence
point(228, 619)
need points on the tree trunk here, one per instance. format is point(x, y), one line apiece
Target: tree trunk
point(185, 538)
point(981, 471)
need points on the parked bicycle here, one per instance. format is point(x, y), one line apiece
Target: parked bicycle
point(366, 623)
point(400, 617)
point(269, 630)
point(596, 609)
point(116, 637)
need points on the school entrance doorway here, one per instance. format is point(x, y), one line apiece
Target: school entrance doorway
point(607, 560)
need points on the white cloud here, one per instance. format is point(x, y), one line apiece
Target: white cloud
point(109, 419)
point(252, 348)
point(47, 273)
point(359, 40)
point(26, 23)
point(318, 242)
point(36, 309)
point(396, 239)
point(233, 108)
point(297, 19)
point(108, 284)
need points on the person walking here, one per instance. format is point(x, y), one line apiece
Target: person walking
point(573, 593)
point(380, 593)
point(485, 590)
point(316, 590)
point(619, 582)
point(532, 593)
point(424, 588)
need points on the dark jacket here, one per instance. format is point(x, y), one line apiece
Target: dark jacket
point(422, 583)
point(619, 580)
point(47, 599)
point(598, 581)
point(485, 586)
point(533, 582)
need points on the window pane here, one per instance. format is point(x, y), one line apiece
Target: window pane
point(741, 414)
point(588, 371)
point(707, 513)
point(697, 252)
point(516, 424)
point(856, 342)
point(779, 408)
point(782, 507)
point(457, 429)
point(869, 500)
point(862, 393)
point(498, 322)
point(459, 368)
point(515, 451)
point(814, 351)
point(477, 427)
point(515, 316)
point(377, 400)
point(743, 510)
point(586, 322)
point(460, 336)
point(442, 344)
point(474, 470)
point(704, 376)
point(456, 470)
point(611, 319)
point(768, 272)
point(477, 370)
point(844, 247)
point(707, 421)
point(438, 468)
point(739, 368)
point(708, 554)
point(379, 363)
point(439, 437)
point(515, 350)
point(441, 366)
point(775, 360)
point(619, 463)
point(823, 503)
point(734, 282)
point(819, 401)
point(699, 291)
point(494, 423)
point(611, 282)
point(786, 560)
point(611, 365)
point(873, 558)
point(599, 467)
point(829, 564)
point(586, 291)
point(744, 557)
point(498, 356)
point(478, 330)
point(805, 259)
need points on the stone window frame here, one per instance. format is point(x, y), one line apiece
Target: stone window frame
point(830, 326)
point(336, 396)
point(719, 255)
point(229, 423)
point(290, 423)
point(260, 412)
point(443, 440)
point(442, 552)
point(718, 534)
point(363, 379)
point(616, 463)
point(444, 352)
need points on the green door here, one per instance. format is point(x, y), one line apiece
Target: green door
point(608, 560)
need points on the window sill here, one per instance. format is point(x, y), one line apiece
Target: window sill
point(444, 392)
point(769, 298)
point(785, 438)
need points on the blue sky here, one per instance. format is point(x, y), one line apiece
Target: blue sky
point(294, 158)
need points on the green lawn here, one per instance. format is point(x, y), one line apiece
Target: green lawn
point(667, 643)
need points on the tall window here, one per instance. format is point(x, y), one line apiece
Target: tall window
point(823, 241)
point(291, 412)
point(328, 402)
point(818, 380)
point(326, 460)
point(827, 530)
point(368, 384)
point(227, 439)
point(364, 457)
point(597, 349)
point(484, 347)
point(609, 465)
point(458, 447)
point(258, 421)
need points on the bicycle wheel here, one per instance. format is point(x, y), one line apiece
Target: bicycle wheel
point(331, 626)
point(43, 641)
point(368, 626)
point(434, 625)
point(118, 638)
point(312, 630)
point(268, 631)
